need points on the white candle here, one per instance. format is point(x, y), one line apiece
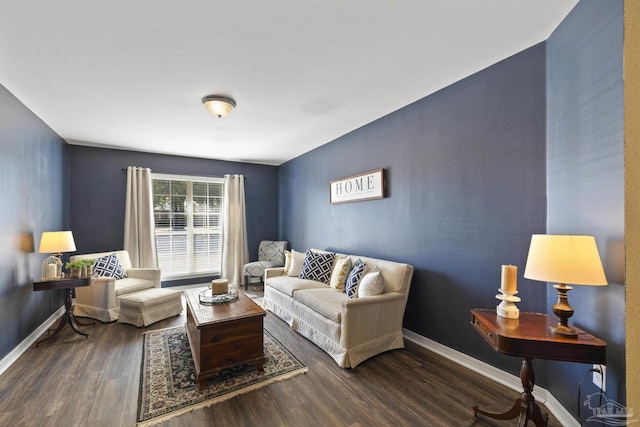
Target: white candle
point(509, 281)
point(51, 271)
point(219, 286)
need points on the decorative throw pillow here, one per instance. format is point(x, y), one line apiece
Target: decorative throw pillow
point(297, 259)
point(353, 280)
point(109, 266)
point(317, 266)
point(372, 283)
point(339, 273)
point(287, 262)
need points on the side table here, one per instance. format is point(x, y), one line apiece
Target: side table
point(529, 337)
point(68, 284)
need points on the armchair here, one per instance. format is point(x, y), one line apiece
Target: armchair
point(101, 300)
point(270, 254)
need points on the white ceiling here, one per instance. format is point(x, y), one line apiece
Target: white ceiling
point(130, 74)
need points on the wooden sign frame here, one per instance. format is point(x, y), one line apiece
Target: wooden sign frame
point(357, 188)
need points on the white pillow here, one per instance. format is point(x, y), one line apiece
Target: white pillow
point(287, 262)
point(340, 272)
point(297, 261)
point(371, 284)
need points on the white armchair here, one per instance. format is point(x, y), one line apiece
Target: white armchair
point(101, 300)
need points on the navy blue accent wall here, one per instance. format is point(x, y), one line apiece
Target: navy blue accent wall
point(466, 189)
point(98, 189)
point(33, 164)
point(586, 177)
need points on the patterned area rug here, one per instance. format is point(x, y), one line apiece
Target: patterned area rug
point(168, 385)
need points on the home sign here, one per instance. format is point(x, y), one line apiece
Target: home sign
point(363, 186)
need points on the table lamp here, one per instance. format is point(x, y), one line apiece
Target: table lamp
point(564, 259)
point(55, 242)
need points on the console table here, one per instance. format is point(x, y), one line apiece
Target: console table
point(68, 284)
point(529, 337)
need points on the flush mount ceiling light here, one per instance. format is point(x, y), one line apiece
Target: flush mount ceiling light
point(219, 105)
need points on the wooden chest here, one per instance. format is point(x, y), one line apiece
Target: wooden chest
point(224, 335)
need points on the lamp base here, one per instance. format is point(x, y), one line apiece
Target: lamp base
point(564, 311)
point(565, 330)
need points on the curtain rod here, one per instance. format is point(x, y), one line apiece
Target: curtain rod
point(206, 176)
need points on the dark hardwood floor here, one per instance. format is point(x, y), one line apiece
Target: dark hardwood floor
point(70, 381)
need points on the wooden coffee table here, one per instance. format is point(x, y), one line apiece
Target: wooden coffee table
point(224, 335)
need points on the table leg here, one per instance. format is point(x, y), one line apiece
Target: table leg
point(525, 408)
point(81, 323)
point(67, 317)
point(50, 334)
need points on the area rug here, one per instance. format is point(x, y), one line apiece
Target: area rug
point(168, 385)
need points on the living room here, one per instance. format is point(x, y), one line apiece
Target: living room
point(532, 144)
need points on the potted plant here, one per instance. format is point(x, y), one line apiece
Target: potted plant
point(87, 267)
point(75, 267)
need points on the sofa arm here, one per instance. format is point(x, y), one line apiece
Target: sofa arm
point(373, 300)
point(152, 274)
point(365, 319)
point(101, 293)
point(273, 272)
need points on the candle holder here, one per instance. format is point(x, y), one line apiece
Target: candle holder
point(507, 308)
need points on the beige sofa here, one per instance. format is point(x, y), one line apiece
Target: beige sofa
point(350, 330)
point(101, 300)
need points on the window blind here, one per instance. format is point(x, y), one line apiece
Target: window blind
point(188, 220)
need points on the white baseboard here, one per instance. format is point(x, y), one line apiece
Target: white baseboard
point(10, 358)
point(513, 382)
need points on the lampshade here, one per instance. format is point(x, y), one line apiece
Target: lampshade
point(56, 242)
point(565, 259)
point(218, 105)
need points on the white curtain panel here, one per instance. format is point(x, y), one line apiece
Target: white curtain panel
point(235, 251)
point(139, 227)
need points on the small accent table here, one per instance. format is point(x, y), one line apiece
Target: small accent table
point(68, 284)
point(529, 337)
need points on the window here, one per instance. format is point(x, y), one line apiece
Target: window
point(188, 219)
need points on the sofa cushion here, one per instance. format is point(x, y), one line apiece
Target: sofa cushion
point(109, 266)
point(327, 302)
point(353, 279)
point(132, 284)
point(288, 285)
point(341, 269)
point(317, 266)
point(372, 283)
point(256, 268)
point(297, 260)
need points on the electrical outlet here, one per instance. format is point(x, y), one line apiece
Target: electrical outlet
point(600, 378)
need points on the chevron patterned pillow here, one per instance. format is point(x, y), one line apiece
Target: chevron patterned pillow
point(109, 266)
point(317, 266)
point(353, 280)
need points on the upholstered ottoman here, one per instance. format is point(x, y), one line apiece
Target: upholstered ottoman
point(149, 306)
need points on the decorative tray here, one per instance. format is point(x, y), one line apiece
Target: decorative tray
point(206, 297)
